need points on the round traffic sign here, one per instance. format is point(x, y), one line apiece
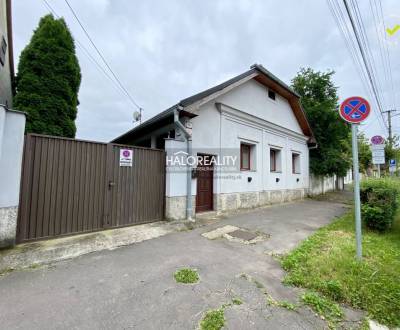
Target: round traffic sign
point(354, 109)
point(377, 139)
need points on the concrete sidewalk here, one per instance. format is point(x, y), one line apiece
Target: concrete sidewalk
point(34, 254)
point(133, 287)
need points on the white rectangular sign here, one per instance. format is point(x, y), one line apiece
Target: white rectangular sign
point(378, 154)
point(378, 147)
point(125, 157)
point(378, 160)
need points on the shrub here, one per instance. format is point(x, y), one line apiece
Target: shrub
point(379, 198)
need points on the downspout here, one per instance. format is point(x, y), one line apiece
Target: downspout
point(188, 139)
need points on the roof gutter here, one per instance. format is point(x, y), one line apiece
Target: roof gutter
point(188, 139)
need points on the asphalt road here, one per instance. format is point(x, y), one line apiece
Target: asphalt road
point(133, 287)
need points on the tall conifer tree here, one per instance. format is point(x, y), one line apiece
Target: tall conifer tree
point(48, 80)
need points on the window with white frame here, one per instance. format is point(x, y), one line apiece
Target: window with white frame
point(295, 163)
point(275, 160)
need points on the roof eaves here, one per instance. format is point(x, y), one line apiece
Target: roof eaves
point(263, 70)
point(148, 122)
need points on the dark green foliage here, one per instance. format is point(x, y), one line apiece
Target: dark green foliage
point(364, 153)
point(48, 80)
point(379, 198)
point(392, 151)
point(320, 102)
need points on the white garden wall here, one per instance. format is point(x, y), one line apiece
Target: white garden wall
point(12, 126)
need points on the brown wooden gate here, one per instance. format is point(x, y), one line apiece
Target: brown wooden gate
point(70, 186)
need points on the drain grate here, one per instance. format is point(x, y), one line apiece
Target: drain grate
point(243, 235)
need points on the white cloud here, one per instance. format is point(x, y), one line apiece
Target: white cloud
point(164, 51)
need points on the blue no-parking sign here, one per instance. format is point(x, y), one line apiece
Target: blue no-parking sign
point(354, 110)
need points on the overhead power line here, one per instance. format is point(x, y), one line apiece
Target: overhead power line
point(382, 54)
point(86, 52)
point(341, 19)
point(364, 55)
point(388, 56)
point(102, 57)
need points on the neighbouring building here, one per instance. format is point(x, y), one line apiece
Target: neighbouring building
point(6, 54)
point(250, 139)
point(12, 126)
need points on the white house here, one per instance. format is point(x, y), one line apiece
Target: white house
point(243, 143)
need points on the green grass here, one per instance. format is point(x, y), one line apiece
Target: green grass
point(213, 320)
point(326, 263)
point(286, 304)
point(186, 275)
point(280, 303)
point(323, 306)
point(237, 301)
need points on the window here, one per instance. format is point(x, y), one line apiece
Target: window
point(3, 51)
point(274, 160)
point(245, 157)
point(271, 94)
point(295, 163)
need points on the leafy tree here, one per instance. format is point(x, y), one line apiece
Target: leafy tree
point(364, 153)
point(320, 102)
point(48, 80)
point(392, 151)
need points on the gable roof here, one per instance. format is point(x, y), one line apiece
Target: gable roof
point(256, 68)
point(257, 72)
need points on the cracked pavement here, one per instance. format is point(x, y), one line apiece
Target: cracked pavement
point(133, 287)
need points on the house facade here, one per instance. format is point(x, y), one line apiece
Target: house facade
point(241, 144)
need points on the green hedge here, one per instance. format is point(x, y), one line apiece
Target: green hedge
point(380, 199)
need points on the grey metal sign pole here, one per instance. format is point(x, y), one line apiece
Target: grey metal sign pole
point(357, 210)
point(355, 110)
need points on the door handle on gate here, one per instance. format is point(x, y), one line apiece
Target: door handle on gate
point(111, 184)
